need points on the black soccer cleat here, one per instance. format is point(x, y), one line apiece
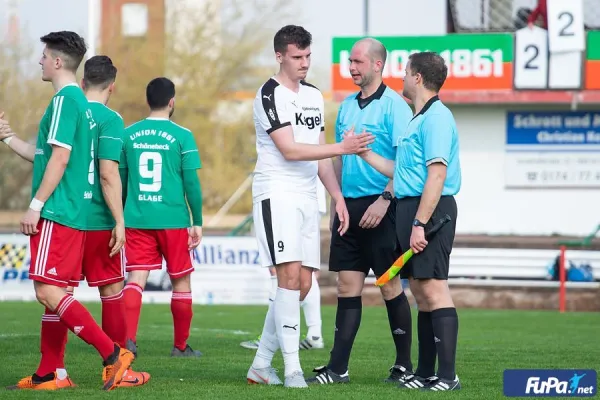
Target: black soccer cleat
point(188, 352)
point(441, 385)
point(416, 382)
point(325, 376)
point(398, 374)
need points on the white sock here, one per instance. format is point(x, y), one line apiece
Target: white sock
point(312, 309)
point(61, 373)
point(287, 323)
point(273, 291)
point(268, 344)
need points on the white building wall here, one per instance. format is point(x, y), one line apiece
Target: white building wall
point(487, 207)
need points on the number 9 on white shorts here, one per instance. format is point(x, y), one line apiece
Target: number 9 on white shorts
point(288, 229)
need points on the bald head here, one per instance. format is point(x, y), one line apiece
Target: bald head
point(373, 48)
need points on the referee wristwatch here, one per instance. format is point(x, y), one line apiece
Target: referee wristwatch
point(387, 196)
point(416, 222)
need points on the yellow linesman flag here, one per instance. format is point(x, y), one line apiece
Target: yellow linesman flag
point(12, 255)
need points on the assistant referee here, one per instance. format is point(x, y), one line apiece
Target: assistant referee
point(426, 177)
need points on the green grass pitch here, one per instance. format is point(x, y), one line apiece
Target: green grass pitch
point(489, 342)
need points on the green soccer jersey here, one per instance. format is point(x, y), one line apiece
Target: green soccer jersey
point(110, 144)
point(155, 153)
point(67, 123)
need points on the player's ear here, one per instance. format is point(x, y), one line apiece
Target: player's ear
point(172, 103)
point(279, 57)
point(111, 87)
point(82, 84)
point(58, 63)
point(418, 78)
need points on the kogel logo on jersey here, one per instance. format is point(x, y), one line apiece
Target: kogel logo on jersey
point(310, 122)
point(550, 382)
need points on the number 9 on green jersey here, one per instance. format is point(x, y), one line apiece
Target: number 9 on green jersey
point(155, 153)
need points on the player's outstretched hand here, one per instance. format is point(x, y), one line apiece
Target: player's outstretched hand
point(5, 130)
point(117, 241)
point(195, 236)
point(342, 213)
point(356, 143)
point(29, 222)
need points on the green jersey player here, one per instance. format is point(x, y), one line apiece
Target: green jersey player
point(63, 174)
point(103, 255)
point(159, 164)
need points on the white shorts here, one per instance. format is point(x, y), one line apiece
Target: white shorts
point(288, 229)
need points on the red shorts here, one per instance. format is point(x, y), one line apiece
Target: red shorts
point(56, 253)
point(145, 249)
point(99, 269)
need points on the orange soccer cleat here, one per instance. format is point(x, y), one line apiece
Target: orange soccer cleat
point(54, 384)
point(113, 373)
point(133, 378)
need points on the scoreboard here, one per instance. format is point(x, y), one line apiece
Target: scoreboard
point(524, 66)
point(552, 58)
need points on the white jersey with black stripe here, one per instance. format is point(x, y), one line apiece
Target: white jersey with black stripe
point(276, 106)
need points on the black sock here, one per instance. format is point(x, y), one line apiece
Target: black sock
point(347, 321)
point(398, 311)
point(427, 349)
point(35, 378)
point(445, 329)
point(113, 357)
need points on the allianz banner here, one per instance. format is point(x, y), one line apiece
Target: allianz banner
point(227, 272)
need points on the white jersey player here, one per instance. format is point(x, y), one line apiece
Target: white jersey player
point(292, 155)
point(311, 305)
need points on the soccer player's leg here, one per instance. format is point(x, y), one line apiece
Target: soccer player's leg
point(107, 274)
point(380, 246)
point(261, 371)
point(56, 256)
point(278, 224)
point(253, 344)
point(173, 244)
point(311, 305)
point(53, 341)
point(142, 255)
point(345, 259)
point(429, 272)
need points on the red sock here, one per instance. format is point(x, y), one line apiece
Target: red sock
point(79, 321)
point(63, 347)
point(181, 308)
point(113, 318)
point(132, 297)
point(53, 337)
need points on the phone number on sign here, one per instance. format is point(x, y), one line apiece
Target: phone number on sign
point(566, 169)
point(571, 177)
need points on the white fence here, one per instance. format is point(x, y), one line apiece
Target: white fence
point(227, 271)
point(515, 267)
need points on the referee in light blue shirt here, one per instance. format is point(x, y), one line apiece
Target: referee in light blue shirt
point(426, 178)
point(370, 242)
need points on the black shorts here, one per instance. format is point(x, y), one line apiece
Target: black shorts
point(434, 261)
point(363, 249)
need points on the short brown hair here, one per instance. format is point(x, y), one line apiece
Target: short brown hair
point(291, 34)
point(69, 44)
point(432, 68)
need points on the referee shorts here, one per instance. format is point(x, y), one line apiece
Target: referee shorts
point(364, 249)
point(434, 261)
